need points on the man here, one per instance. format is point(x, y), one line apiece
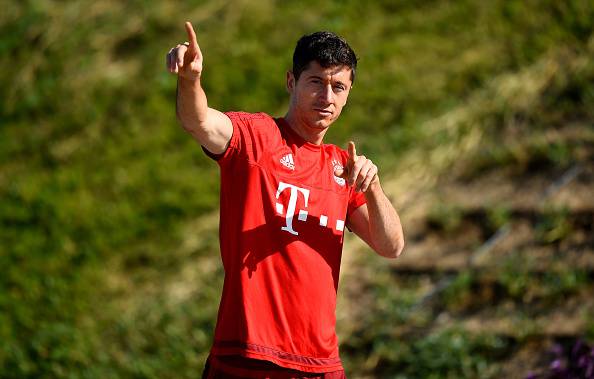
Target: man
point(285, 200)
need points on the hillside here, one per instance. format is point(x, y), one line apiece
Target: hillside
point(498, 268)
point(479, 114)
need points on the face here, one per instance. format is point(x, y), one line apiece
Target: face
point(320, 93)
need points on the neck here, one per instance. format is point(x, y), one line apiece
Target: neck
point(309, 133)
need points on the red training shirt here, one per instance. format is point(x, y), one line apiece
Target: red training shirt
point(283, 214)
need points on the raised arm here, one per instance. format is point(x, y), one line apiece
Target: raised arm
point(376, 222)
point(211, 128)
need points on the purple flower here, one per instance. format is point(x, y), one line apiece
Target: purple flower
point(556, 365)
point(577, 362)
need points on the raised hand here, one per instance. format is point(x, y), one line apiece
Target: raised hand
point(359, 171)
point(185, 59)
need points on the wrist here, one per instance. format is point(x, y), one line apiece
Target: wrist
point(374, 187)
point(189, 82)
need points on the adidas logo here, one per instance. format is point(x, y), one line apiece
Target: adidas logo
point(288, 161)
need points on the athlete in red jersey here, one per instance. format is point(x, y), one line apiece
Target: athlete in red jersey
point(286, 199)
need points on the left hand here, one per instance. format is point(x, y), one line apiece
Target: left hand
point(359, 171)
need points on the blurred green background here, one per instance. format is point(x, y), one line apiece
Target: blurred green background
point(479, 114)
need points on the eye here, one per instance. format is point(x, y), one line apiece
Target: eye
point(339, 88)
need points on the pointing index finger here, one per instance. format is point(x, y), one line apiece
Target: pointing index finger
point(191, 34)
point(193, 48)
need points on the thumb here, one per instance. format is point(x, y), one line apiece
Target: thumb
point(352, 151)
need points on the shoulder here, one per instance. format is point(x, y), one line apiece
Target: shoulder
point(253, 132)
point(249, 117)
point(254, 126)
point(336, 152)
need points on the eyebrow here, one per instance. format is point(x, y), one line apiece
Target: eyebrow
point(323, 79)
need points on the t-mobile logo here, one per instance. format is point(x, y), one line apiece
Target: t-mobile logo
point(295, 191)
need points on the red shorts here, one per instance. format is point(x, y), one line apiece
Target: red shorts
point(237, 367)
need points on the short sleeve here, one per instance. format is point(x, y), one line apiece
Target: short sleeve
point(246, 140)
point(355, 201)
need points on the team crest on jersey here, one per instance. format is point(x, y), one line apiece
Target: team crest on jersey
point(336, 165)
point(288, 161)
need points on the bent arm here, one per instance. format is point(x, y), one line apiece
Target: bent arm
point(378, 224)
point(211, 128)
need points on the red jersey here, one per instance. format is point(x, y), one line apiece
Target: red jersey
point(283, 214)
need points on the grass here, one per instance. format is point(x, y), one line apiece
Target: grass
point(107, 242)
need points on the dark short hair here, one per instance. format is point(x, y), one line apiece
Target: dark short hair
point(327, 49)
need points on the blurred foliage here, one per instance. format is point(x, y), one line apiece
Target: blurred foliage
point(554, 226)
point(574, 361)
point(444, 217)
point(106, 245)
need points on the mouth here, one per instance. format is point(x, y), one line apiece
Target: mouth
point(323, 112)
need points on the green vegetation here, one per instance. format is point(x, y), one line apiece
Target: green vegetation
point(554, 225)
point(108, 239)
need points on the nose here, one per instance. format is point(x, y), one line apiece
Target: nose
point(327, 95)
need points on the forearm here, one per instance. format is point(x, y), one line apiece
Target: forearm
point(211, 128)
point(385, 230)
point(191, 105)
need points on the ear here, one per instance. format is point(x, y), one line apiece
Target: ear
point(290, 82)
